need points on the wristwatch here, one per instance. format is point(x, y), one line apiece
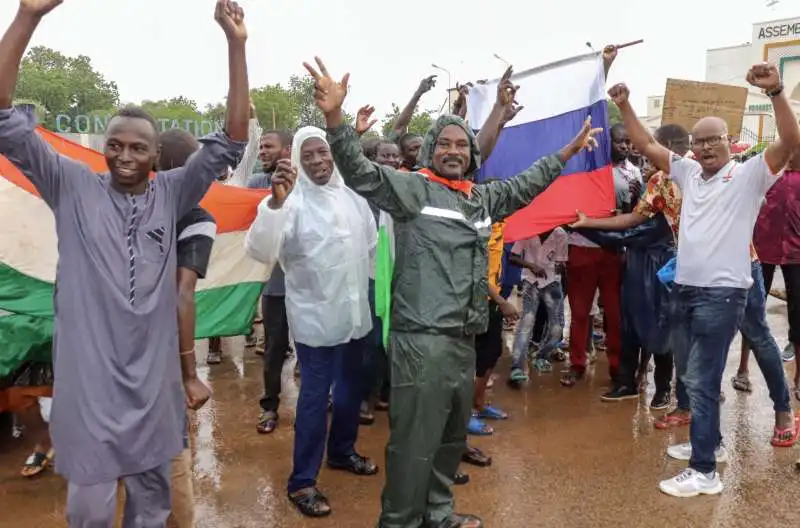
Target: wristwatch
point(774, 93)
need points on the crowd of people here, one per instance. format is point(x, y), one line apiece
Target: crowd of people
point(670, 278)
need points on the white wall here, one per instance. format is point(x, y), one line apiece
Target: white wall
point(654, 105)
point(728, 65)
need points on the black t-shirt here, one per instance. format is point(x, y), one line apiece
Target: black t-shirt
point(196, 233)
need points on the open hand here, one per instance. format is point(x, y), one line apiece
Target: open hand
point(765, 76)
point(38, 7)
point(363, 121)
point(328, 93)
point(283, 180)
point(230, 16)
point(619, 93)
point(197, 393)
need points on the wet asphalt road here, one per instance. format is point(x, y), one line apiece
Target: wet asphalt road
point(563, 460)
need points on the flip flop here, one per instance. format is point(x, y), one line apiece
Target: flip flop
point(478, 428)
point(492, 413)
point(787, 437)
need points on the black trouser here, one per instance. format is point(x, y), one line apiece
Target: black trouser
point(276, 332)
point(791, 279)
point(633, 357)
point(540, 324)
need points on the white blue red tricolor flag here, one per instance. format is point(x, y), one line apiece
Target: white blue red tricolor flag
point(557, 98)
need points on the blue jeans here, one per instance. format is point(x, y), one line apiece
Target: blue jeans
point(320, 368)
point(552, 297)
point(708, 319)
point(757, 333)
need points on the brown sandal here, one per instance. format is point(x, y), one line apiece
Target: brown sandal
point(37, 463)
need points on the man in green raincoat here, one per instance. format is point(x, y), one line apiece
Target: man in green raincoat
point(442, 224)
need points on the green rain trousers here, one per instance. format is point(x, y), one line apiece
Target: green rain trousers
point(439, 290)
point(432, 384)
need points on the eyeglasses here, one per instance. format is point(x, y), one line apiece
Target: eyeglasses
point(712, 141)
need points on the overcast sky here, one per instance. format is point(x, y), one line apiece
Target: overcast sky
point(157, 49)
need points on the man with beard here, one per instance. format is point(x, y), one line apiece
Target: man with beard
point(442, 227)
point(120, 406)
point(275, 145)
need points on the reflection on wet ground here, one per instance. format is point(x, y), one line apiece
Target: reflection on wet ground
point(564, 460)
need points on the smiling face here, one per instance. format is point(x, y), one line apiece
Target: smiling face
point(388, 153)
point(317, 160)
point(451, 154)
point(131, 152)
point(710, 144)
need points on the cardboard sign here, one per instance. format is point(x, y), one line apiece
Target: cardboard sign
point(686, 102)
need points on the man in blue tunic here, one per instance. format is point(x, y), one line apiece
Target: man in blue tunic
point(118, 406)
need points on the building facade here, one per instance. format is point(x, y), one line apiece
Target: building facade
point(775, 41)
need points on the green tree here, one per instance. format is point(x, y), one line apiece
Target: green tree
point(178, 112)
point(614, 115)
point(214, 113)
point(301, 93)
point(275, 107)
point(63, 85)
point(421, 121)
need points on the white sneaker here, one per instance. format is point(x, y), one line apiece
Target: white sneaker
point(691, 483)
point(684, 452)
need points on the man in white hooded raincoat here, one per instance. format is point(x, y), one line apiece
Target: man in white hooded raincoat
point(324, 237)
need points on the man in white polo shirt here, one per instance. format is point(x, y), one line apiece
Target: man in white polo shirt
point(721, 200)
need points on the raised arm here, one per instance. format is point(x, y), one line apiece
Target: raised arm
point(220, 150)
point(503, 199)
point(644, 142)
point(768, 78)
point(400, 194)
point(404, 118)
point(19, 141)
point(503, 111)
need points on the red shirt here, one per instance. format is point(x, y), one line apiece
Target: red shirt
point(777, 232)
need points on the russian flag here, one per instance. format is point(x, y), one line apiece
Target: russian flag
point(557, 98)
